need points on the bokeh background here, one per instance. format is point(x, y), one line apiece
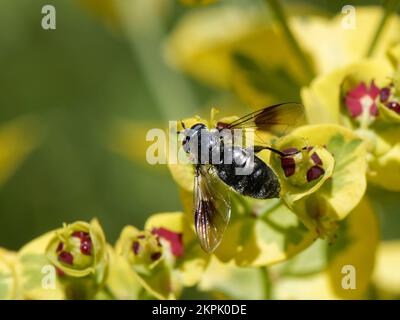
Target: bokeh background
point(85, 94)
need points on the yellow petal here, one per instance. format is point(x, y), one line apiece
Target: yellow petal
point(385, 170)
point(33, 260)
point(17, 139)
point(227, 281)
point(334, 46)
point(386, 273)
point(9, 280)
point(120, 280)
point(356, 246)
point(204, 41)
point(271, 238)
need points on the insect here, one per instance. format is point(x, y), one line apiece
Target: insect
point(215, 160)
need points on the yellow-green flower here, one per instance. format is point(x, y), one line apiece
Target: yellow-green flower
point(386, 278)
point(121, 283)
point(78, 251)
point(9, 280)
point(45, 272)
point(364, 97)
point(242, 49)
point(163, 255)
point(324, 179)
point(342, 270)
point(18, 138)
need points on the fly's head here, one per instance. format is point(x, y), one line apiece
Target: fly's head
point(194, 138)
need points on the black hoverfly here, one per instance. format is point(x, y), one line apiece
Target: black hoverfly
point(211, 198)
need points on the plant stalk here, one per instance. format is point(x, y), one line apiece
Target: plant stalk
point(281, 16)
point(266, 282)
point(390, 9)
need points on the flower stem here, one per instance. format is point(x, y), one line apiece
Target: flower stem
point(390, 8)
point(280, 15)
point(145, 31)
point(266, 282)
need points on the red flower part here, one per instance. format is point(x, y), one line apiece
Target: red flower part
point(384, 94)
point(66, 257)
point(155, 256)
point(86, 246)
point(316, 159)
point(81, 235)
point(60, 247)
point(288, 165)
point(314, 173)
point(175, 240)
point(355, 97)
point(86, 242)
point(60, 272)
point(393, 105)
point(136, 247)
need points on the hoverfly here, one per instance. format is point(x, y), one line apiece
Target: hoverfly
point(211, 203)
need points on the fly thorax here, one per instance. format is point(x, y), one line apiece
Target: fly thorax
point(198, 143)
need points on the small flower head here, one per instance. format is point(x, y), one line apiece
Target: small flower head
point(363, 99)
point(153, 254)
point(302, 169)
point(390, 100)
point(145, 249)
point(78, 250)
point(322, 174)
point(307, 161)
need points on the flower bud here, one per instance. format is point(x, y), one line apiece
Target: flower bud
point(78, 251)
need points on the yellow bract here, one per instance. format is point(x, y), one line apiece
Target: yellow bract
point(33, 260)
point(9, 281)
point(347, 262)
point(17, 139)
point(386, 278)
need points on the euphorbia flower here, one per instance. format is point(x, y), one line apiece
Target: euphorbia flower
point(158, 255)
point(389, 101)
point(226, 47)
point(320, 271)
point(363, 97)
point(174, 239)
point(327, 164)
point(78, 251)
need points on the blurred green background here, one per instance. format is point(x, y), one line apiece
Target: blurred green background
point(78, 80)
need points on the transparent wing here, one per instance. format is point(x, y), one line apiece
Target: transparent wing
point(277, 119)
point(212, 208)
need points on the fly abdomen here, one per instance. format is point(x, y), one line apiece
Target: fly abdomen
point(249, 175)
